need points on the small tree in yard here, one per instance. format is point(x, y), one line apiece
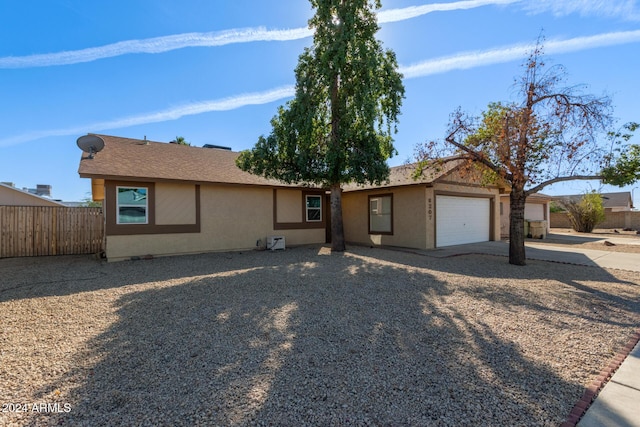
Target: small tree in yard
point(551, 135)
point(586, 213)
point(338, 127)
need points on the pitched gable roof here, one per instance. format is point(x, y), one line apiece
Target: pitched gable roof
point(609, 200)
point(404, 175)
point(138, 160)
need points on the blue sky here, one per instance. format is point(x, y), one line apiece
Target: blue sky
point(215, 71)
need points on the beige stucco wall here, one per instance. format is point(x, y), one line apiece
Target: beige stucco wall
point(175, 204)
point(533, 210)
point(413, 214)
point(409, 212)
point(232, 218)
point(14, 197)
point(289, 205)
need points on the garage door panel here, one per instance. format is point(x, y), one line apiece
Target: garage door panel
point(461, 220)
point(534, 211)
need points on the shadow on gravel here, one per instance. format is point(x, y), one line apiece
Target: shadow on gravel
point(369, 337)
point(31, 277)
point(578, 281)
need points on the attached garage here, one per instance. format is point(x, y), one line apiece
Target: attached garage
point(534, 211)
point(461, 220)
point(445, 205)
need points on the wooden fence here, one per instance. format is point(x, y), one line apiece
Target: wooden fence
point(45, 230)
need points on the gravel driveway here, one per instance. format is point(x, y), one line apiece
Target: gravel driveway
point(303, 337)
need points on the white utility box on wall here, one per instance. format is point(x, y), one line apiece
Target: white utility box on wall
point(275, 242)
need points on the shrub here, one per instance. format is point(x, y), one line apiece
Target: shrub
point(586, 213)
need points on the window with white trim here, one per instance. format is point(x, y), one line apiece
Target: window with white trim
point(313, 208)
point(132, 205)
point(380, 214)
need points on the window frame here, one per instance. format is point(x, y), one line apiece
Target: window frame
point(307, 207)
point(119, 205)
point(379, 206)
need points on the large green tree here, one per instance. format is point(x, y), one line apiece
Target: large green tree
point(338, 129)
point(553, 133)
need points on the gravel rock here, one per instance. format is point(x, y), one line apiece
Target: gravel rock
point(304, 337)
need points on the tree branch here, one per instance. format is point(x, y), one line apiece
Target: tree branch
point(477, 157)
point(562, 179)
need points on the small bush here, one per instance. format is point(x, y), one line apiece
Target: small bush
point(586, 213)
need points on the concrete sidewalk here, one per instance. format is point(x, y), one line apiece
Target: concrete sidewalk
point(539, 251)
point(618, 404)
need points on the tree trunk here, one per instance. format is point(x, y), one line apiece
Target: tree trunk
point(516, 228)
point(337, 229)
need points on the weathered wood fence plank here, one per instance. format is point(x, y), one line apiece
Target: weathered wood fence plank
point(45, 230)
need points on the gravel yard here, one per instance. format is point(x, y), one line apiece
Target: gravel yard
point(304, 337)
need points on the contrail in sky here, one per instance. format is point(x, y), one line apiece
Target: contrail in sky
point(224, 104)
point(395, 15)
point(218, 38)
point(460, 61)
point(466, 60)
point(625, 9)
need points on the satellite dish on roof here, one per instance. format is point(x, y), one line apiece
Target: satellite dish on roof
point(91, 144)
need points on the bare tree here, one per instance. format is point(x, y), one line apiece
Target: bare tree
point(551, 135)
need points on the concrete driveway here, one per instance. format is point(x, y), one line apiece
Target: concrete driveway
point(538, 250)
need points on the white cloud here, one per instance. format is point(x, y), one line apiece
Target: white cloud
point(217, 38)
point(224, 104)
point(460, 61)
point(154, 45)
point(625, 9)
point(475, 59)
point(395, 15)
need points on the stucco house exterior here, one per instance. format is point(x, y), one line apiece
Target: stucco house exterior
point(536, 208)
point(11, 196)
point(444, 206)
point(167, 199)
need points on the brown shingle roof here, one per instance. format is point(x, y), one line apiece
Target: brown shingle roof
point(403, 175)
point(609, 200)
point(135, 159)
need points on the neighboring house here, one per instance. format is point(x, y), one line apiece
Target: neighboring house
point(11, 196)
point(536, 208)
point(612, 202)
point(444, 206)
point(166, 199)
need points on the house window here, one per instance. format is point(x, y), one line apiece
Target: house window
point(381, 214)
point(132, 205)
point(314, 208)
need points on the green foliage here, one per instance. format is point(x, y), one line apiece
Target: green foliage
point(626, 170)
point(180, 141)
point(339, 126)
point(585, 214)
point(556, 207)
point(622, 165)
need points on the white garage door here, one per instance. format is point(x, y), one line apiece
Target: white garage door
point(461, 220)
point(534, 211)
